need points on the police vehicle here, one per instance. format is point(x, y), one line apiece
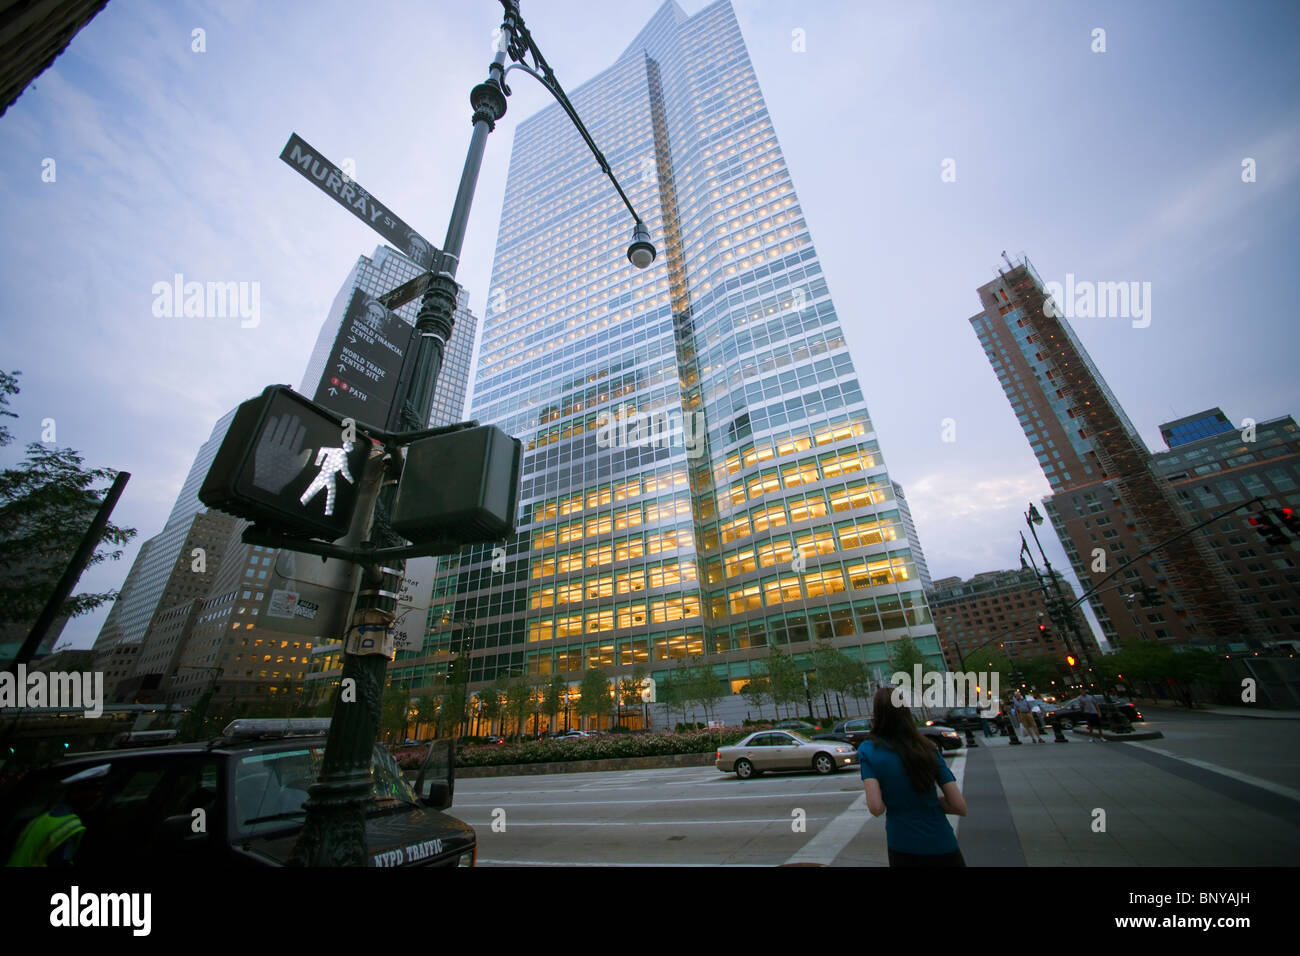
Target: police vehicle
point(236, 800)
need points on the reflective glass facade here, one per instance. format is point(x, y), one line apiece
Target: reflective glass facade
point(701, 475)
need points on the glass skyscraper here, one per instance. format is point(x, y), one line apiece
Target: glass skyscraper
point(701, 475)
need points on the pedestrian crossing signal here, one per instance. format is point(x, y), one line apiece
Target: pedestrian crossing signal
point(1070, 659)
point(288, 464)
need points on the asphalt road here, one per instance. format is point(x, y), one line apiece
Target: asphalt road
point(688, 816)
point(1216, 791)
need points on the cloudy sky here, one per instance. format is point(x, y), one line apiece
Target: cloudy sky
point(1122, 165)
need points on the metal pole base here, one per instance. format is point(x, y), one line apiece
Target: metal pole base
point(970, 739)
point(1060, 737)
point(335, 830)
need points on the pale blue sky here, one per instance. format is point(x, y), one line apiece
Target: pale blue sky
point(1123, 165)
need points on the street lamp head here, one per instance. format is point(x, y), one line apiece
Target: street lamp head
point(642, 251)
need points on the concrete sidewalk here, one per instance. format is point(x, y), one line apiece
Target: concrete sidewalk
point(1117, 804)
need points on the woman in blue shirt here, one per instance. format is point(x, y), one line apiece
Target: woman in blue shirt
point(905, 777)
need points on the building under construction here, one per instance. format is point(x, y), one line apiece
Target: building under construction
point(1112, 505)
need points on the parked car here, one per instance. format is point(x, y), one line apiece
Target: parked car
point(960, 719)
point(802, 726)
point(141, 805)
point(857, 729)
point(1072, 713)
point(783, 750)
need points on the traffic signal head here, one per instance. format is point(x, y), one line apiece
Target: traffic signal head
point(290, 464)
point(459, 488)
point(1042, 629)
point(1268, 530)
point(1289, 519)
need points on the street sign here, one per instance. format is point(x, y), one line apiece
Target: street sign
point(362, 376)
point(406, 292)
point(413, 604)
point(288, 463)
point(349, 194)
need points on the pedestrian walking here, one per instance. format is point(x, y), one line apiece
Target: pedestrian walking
point(1036, 708)
point(905, 778)
point(985, 722)
point(1026, 717)
point(1092, 714)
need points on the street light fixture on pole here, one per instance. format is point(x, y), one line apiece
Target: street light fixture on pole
point(334, 830)
point(1063, 610)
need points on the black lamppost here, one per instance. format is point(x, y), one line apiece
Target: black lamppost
point(1060, 608)
point(334, 831)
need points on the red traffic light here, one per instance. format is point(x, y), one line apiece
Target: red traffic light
point(1268, 530)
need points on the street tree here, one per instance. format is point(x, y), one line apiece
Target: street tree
point(428, 708)
point(489, 702)
point(553, 698)
point(629, 690)
point(594, 694)
point(758, 689)
point(519, 702)
point(394, 707)
point(784, 678)
point(47, 503)
point(904, 655)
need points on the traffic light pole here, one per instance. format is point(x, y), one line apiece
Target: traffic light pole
point(334, 831)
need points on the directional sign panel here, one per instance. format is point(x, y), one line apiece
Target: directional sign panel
point(363, 373)
point(407, 291)
point(288, 463)
point(347, 192)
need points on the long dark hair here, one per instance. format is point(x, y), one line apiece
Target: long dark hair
point(894, 727)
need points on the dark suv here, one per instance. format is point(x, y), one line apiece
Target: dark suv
point(857, 729)
point(961, 718)
point(234, 800)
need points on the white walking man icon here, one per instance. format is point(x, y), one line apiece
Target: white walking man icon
point(332, 461)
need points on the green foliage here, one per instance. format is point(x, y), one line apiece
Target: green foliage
point(993, 663)
point(784, 680)
point(758, 689)
point(599, 748)
point(47, 503)
point(393, 706)
point(1196, 665)
point(904, 655)
point(706, 688)
point(518, 702)
point(594, 693)
point(629, 687)
point(489, 704)
point(553, 698)
point(1039, 672)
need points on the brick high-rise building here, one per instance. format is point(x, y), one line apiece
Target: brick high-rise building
point(1111, 502)
point(997, 611)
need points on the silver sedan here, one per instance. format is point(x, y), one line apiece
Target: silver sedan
point(784, 750)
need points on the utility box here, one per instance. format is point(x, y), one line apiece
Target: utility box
point(461, 487)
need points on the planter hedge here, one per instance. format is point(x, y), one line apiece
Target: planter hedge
point(597, 748)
